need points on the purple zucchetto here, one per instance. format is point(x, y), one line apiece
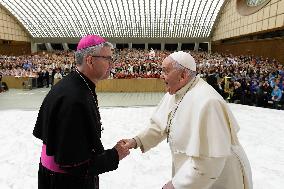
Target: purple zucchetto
point(89, 41)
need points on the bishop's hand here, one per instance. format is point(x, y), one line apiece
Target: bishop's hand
point(129, 143)
point(122, 150)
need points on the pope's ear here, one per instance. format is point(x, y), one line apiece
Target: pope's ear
point(184, 75)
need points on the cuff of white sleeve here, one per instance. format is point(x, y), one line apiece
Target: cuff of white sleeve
point(138, 143)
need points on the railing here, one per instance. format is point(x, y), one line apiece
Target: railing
point(108, 85)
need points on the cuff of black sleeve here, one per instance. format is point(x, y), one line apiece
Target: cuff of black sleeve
point(115, 157)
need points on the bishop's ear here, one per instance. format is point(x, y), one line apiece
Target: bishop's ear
point(89, 60)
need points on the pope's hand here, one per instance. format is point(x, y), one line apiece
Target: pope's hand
point(169, 185)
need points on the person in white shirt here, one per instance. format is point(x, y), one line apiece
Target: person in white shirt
point(57, 75)
point(200, 129)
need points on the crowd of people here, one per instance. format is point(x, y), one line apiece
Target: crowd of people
point(45, 67)
point(240, 79)
point(244, 79)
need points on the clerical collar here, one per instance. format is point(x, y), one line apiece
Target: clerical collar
point(186, 88)
point(89, 82)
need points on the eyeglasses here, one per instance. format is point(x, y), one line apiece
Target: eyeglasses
point(108, 58)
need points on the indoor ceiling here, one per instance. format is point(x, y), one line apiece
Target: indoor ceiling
point(116, 18)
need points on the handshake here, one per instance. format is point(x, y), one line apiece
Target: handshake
point(123, 146)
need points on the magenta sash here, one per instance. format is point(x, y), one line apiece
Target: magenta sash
point(48, 161)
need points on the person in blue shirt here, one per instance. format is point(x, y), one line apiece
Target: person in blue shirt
point(276, 96)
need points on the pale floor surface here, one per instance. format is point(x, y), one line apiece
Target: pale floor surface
point(261, 135)
point(32, 99)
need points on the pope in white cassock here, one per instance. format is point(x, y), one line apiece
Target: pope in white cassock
point(200, 129)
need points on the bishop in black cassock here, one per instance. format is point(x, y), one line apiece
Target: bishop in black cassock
point(69, 125)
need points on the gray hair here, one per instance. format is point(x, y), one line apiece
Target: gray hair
point(180, 67)
point(93, 50)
